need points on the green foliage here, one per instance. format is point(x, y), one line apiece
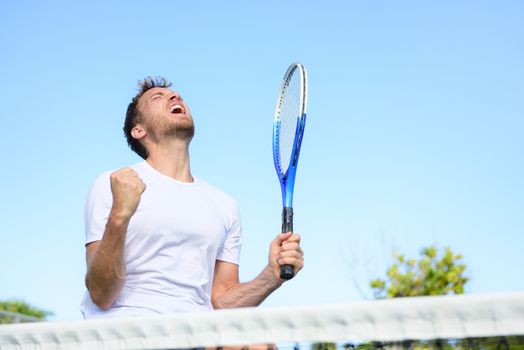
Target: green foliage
point(21, 307)
point(431, 275)
point(486, 343)
point(324, 346)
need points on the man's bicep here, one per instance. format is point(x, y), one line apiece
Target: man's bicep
point(225, 278)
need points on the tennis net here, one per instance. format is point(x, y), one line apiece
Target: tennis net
point(483, 321)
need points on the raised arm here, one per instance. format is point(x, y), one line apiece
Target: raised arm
point(105, 258)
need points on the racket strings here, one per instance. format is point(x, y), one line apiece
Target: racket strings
point(290, 112)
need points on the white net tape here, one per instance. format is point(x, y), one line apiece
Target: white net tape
point(384, 320)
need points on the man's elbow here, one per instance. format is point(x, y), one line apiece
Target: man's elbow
point(217, 302)
point(102, 302)
point(98, 297)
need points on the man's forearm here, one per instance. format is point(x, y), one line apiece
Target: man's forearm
point(106, 269)
point(250, 293)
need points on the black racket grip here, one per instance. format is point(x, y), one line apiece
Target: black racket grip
point(286, 271)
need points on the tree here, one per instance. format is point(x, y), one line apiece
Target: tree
point(324, 346)
point(12, 311)
point(431, 275)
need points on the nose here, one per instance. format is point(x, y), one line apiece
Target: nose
point(174, 96)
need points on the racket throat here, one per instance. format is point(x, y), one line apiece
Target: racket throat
point(287, 219)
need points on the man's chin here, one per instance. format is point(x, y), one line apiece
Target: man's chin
point(184, 130)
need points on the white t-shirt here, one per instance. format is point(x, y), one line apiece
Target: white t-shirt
point(173, 241)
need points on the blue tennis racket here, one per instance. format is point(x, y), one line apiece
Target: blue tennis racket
point(288, 129)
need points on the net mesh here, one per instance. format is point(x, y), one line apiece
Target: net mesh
point(465, 322)
point(289, 109)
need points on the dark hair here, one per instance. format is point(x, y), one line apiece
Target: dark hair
point(133, 116)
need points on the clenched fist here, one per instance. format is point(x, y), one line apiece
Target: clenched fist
point(127, 189)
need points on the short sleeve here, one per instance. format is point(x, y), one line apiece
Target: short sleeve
point(230, 250)
point(97, 207)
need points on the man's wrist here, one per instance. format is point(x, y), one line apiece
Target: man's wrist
point(118, 218)
point(272, 281)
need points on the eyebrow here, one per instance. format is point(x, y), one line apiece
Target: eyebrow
point(157, 93)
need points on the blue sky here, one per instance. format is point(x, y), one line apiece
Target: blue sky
point(414, 135)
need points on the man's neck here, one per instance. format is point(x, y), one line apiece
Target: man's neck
point(171, 159)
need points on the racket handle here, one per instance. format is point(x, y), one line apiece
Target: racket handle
point(286, 271)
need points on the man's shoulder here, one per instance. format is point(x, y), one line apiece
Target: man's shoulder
point(102, 181)
point(138, 167)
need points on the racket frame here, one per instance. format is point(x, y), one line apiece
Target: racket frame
point(287, 177)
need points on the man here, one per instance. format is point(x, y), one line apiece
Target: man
point(160, 241)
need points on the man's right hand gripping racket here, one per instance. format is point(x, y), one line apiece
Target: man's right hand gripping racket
point(288, 129)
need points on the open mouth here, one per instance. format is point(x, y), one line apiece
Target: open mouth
point(176, 109)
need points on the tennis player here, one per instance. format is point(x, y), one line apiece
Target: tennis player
point(158, 239)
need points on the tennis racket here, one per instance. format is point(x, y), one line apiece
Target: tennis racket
point(288, 129)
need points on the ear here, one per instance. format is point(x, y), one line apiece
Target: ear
point(138, 132)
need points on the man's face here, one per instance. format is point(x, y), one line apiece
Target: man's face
point(164, 113)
